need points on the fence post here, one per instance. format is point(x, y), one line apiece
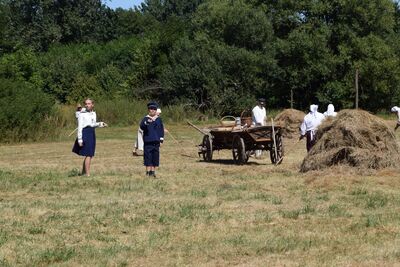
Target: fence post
point(291, 98)
point(356, 83)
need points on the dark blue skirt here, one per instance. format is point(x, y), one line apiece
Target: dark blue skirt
point(89, 143)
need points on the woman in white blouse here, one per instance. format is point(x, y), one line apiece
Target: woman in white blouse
point(85, 143)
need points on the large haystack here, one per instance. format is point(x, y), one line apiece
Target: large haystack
point(291, 120)
point(354, 138)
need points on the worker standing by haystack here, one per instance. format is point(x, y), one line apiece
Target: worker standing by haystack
point(259, 114)
point(259, 117)
point(330, 112)
point(396, 110)
point(310, 124)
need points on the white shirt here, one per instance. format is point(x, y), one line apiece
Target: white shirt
point(87, 119)
point(330, 112)
point(311, 122)
point(79, 112)
point(397, 110)
point(259, 115)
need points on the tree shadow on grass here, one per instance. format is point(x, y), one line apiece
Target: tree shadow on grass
point(188, 156)
point(230, 162)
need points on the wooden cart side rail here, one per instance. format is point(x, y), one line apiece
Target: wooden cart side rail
point(262, 134)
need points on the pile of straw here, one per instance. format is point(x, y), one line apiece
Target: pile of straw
point(354, 138)
point(290, 120)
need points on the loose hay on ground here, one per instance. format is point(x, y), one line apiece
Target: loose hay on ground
point(354, 138)
point(291, 120)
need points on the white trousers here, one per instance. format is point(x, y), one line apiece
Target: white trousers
point(258, 152)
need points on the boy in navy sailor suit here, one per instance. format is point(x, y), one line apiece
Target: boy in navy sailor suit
point(153, 136)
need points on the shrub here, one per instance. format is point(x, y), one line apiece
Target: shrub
point(124, 112)
point(25, 112)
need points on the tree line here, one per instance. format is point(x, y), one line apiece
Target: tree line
point(216, 56)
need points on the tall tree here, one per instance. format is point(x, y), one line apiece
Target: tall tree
point(227, 61)
point(5, 45)
point(164, 9)
point(40, 23)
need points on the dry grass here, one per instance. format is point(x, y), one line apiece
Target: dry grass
point(291, 120)
point(195, 213)
point(355, 138)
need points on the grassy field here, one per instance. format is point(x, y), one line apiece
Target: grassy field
point(194, 213)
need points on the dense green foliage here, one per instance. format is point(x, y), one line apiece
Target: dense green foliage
point(212, 55)
point(24, 111)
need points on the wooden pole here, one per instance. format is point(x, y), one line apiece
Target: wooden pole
point(183, 153)
point(197, 128)
point(291, 98)
point(356, 83)
point(72, 132)
point(274, 139)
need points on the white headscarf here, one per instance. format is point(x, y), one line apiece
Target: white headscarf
point(311, 121)
point(313, 109)
point(330, 111)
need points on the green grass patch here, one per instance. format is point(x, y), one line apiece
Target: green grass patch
point(205, 214)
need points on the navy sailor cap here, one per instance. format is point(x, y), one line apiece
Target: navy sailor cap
point(152, 105)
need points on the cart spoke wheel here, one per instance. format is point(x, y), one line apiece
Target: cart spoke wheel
point(279, 150)
point(239, 150)
point(207, 148)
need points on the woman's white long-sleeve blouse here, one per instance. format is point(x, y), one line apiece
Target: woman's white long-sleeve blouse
point(87, 119)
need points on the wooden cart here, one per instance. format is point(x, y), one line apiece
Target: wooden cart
point(243, 141)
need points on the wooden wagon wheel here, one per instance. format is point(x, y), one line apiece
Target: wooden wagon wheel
point(279, 150)
point(239, 150)
point(207, 147)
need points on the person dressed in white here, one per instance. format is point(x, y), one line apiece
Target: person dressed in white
point(78, 111)
point(85, 143)
point(396, 110)
point(259, 118)
point(158, 113)
point(330, 112)
point(310, 124)
point(138, 149)
point(259, 114)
